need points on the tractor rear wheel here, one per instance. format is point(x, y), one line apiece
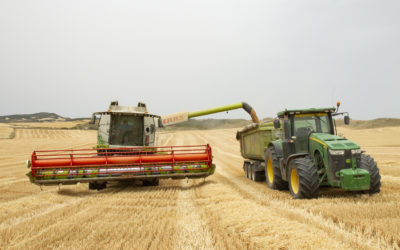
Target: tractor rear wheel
point(368, 163)
point(273, 175)
point(303, 178)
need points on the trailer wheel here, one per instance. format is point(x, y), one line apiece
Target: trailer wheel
point(303, 178)
point(258, 176)
point(246, 169)
point(368, 163)
point(273, 175)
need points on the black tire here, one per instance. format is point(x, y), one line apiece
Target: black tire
point(246, 169)
point(303, 178)
point(259, 176)
point(155, 182)
point(96, 185)
point(273, 175)
point(150, 182)
point(253, 173)
point(368, 163)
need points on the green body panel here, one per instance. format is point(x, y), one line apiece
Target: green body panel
point(215, 110)
point(254, 141)
point(321, 143)
point(354, 179)
point(334, 142)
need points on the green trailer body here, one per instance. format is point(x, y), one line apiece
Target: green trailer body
point(255, 138)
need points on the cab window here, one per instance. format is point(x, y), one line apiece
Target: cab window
point(127, 130)
point(304, 124)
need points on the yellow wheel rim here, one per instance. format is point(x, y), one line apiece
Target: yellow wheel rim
point(270, 171)
point(294, 181)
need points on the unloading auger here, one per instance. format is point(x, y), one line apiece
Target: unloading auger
point(126, 151)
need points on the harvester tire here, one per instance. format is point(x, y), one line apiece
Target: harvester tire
point(303, 178)
point(273, 175)
point(97, 185)
point(151, 182)
point(368, 163)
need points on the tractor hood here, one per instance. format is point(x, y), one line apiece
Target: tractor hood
point(334, 142)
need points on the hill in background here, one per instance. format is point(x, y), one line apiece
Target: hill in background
point(45, 120)
point(37, 117)
point(375, 123)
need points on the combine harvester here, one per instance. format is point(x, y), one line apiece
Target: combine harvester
point(306, 154)
point(126, 151)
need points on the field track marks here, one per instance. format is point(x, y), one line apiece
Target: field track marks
point(290, 211)
point(192, 229)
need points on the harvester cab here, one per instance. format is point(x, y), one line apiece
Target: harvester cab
point(310, 154)
point(125, 126)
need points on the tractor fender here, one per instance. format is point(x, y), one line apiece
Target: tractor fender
point(279, 153)
point(277, 147)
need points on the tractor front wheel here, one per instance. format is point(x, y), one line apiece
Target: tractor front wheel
point(273, 175)
point(368, 163)
point(303, 178)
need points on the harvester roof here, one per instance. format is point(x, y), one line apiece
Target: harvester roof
point(306, 111)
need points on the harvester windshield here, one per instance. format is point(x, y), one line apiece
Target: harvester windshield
point(127, 130)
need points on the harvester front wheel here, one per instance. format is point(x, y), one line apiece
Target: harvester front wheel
point(151, 182)
point(368, 163)
point(97, 185)
point(303, 178)
point(273, 175)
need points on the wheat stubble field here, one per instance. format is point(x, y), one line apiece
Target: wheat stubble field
point(224, 211)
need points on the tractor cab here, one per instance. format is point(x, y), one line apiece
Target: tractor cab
point(125, 126)
point(298, 125)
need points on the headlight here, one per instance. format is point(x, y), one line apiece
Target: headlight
point(356, 151)
point(336, 152)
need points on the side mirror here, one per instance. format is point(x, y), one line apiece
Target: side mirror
point(160, 124)
point(93, 119)
point(277, 123)
point(346, 119)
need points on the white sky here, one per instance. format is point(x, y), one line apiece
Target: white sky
point(74, 57)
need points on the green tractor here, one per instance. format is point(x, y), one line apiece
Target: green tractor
point(306, 153)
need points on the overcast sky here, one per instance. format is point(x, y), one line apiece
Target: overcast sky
point(74, 57)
